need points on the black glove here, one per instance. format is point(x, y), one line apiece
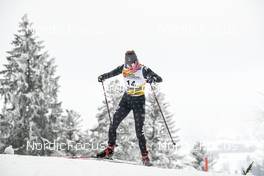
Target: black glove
point(100, 78)
point(151, 80)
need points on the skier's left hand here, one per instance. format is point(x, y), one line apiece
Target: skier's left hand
point(151, 80)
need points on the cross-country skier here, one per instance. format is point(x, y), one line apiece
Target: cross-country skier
point(135, 75)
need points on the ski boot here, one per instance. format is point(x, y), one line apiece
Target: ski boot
point(146, 160)
point(106, 153)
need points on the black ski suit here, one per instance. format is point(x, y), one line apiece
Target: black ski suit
point(128, 103)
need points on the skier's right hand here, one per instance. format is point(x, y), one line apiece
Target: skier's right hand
point(100, 78)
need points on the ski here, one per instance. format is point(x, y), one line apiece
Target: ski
point(112, 160)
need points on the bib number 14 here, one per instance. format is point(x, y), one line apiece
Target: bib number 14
point(131, 83)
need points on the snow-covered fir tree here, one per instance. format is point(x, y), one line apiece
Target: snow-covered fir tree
point(258, 156)
point(86, 141)
point(198, 154)
point(99, 133)
point(258, 168)
point(70, 133)
point(126, 138)
point(29, 88)
point(163, 153)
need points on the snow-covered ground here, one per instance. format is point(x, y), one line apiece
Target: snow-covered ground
point(14, 165)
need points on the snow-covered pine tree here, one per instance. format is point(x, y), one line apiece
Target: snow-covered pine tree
point(258, 166)
point(258, 169)
point(5, 130)
point(198, 155)
point(258, 158)
point(70, 133)
point(163, 153)
point(99, 133)
point(126, 138)
point(86, 142)
point(29, 87)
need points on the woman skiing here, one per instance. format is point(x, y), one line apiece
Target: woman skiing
point(135, 76)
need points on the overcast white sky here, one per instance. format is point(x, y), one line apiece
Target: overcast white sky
point(209, 53)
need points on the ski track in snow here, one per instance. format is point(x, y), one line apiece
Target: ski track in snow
point(18, 165)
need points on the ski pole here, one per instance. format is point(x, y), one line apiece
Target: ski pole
point(155, 96)
point(107, 104)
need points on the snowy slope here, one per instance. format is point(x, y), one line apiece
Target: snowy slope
point(14, 165)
